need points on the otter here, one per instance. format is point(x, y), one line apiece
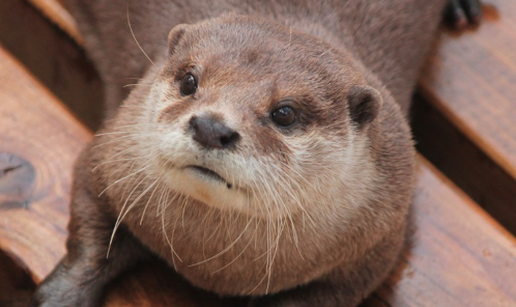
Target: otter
point(265, 151)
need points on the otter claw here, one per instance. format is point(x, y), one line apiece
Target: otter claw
point(460, 13)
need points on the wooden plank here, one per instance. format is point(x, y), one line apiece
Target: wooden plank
point(53, 58)
point(39, 141)
point(471, 78)
point(466, 165)
point(56, 12)
point(460, 255)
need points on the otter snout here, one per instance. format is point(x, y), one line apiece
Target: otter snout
point(212, 133)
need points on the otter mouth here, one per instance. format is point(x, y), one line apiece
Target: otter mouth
point(209, 174)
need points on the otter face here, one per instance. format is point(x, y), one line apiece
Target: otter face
point(259, 119)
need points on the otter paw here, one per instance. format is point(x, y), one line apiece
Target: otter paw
point(59, 290)
point(460, 13)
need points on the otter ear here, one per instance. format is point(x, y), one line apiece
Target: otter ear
point(364, 104)
point(175, 36)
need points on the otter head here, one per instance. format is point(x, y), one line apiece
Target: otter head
point(257, 118)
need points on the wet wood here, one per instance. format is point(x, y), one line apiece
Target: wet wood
point(471, 77)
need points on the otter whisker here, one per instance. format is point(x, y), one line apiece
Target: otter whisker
point(297, 173)
point(284, 182)
point(183, 212)
point(134, 37)
point(137, 125)
point(299, 190)
point(225, 249)
point(237, 256)
point(149, 200)
point(121, 138)
point(124, 212)
point(160, 202)
point(118, 161)
point(270, 233)
point(163, 205)
point(111, 133)
point(219, 226)
point(208, 216)
point(137, 131)
point(269, 269)
point(281, 222)
point(122, 179)
point(171, 242)
point(161, 208)
point(259, 282)
point(136, 84)
point(127, 150)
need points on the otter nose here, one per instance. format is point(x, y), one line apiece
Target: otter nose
point(212, 133)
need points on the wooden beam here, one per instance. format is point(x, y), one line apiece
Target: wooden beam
point(470, 79)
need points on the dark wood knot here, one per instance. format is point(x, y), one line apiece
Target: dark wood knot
point(17, 177)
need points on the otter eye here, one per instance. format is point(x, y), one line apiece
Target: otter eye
point(284, 116)
point(188, 85)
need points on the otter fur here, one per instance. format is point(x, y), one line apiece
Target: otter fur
point(264, 152)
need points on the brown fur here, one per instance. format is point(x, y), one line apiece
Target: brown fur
point(312, 215)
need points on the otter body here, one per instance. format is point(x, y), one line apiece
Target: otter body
point(264, 153)
point(390, 37)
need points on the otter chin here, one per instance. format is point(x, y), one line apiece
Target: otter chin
point(265, 152)
point(207, 174)
point(208, 186)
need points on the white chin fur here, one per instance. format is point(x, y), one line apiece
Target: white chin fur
point(211, 192)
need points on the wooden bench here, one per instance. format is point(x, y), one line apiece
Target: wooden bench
point(471, 78)
point(460, 257)
point(469, 85)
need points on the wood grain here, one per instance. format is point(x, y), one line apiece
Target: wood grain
point(35, 128)
point(53, 58)
point(466, 165)
point(460, 255)
point(55, 11)
point(471, 79)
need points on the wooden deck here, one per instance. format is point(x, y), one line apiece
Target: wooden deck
point(461, 255)
point(471, 79)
